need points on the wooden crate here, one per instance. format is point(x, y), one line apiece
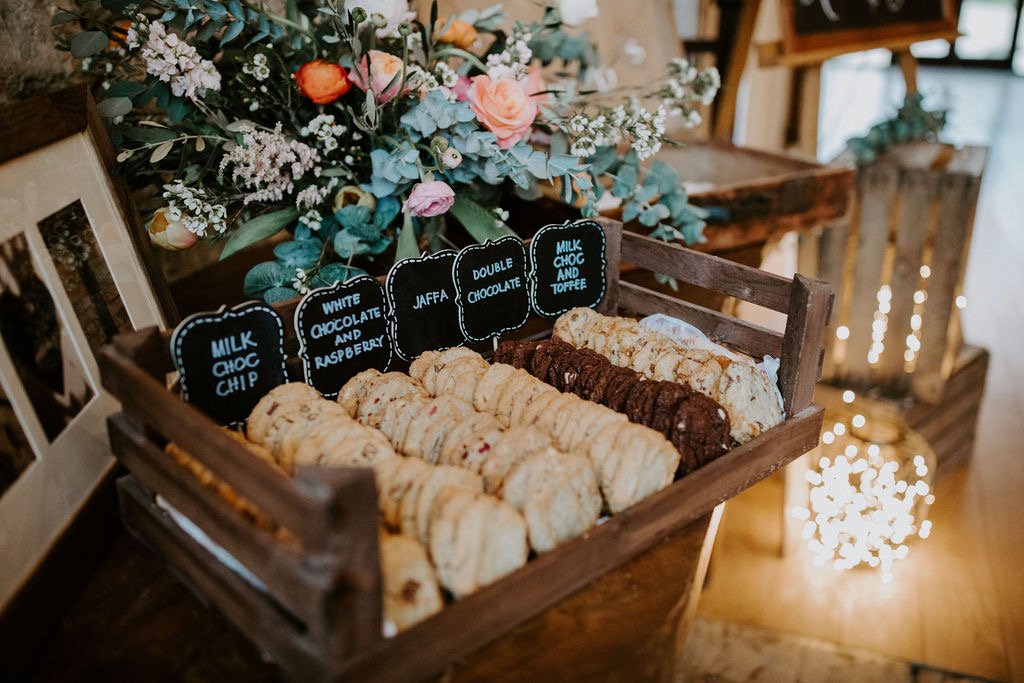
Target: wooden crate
point(320, 615)
point(902, 256)
point(948, 425)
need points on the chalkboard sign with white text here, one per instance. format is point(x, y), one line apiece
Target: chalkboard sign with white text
point(567, 267)
point(229, 359)
point(342, 330)
point(422, 312)
point(491, 288)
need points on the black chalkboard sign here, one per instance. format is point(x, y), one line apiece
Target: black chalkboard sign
point(229, 359)
point(342, 330)
point(567, 267)
point(491, 288)
point(814, 30)
point(422, 312)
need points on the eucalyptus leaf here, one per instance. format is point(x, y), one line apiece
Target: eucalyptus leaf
point(89, 43)
point(114, 106)
point(279, 294)
point(232, 31)
point(264, 276)
point(478, 221)
point(258, 229)
point(62, 18)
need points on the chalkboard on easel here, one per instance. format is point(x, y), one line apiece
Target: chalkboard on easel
point(814, 30)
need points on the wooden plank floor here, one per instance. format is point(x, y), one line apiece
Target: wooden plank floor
point(957, 601)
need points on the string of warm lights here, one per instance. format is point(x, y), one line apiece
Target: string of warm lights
point(866, 499)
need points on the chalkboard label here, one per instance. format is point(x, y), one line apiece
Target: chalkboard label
point(825, 16)
point(568, 267)
point(423, 314)
point(342, 331)
point(491, 288)
point(229, 359)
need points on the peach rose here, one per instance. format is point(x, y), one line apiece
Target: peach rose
point(168, 234)
point(382, 69)
point(460, 33)
point(503, 107)
point(323, 82)
point(534, 84)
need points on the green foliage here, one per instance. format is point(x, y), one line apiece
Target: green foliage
point(482, 224)
point(258, 229)
point(912, 122)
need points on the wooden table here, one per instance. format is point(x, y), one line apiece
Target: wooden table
point(135, 621)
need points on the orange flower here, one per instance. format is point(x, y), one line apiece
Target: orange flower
point(503, 107)
point(168, 234)
point(460, 33)
point(323, 82)
point(120, 30)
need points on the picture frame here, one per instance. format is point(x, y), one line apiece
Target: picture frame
point(76, 268)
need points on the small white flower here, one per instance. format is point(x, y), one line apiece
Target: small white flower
point(451, 158)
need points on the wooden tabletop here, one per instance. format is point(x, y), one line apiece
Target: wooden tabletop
point(135, 621)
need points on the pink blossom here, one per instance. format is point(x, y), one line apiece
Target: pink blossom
point(429, 199)
point(376, 72)
point(461, 88)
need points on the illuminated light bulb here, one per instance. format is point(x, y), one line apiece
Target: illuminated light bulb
point(842, 332)
point(812, 477)
point(961, 301)
point(873, 450)
point(918, 460)
point(850, 451)
point(801, 513)
point(922, 488)
point(858, 421)
point(878, 326)
point(915, 322)
point(901, 486)
point(884, 307)
point(920, 297)
point(824, 463)
point(925, 272)
point(839, 428)
point(929, 499)
point(827, 438)
point(848, 396)
point(886, 577)
point(921, 471)
point(908, 356)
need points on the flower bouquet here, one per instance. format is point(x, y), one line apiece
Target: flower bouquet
point(366, 134)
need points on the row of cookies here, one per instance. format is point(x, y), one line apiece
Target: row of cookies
point(746, 393)
point(556, 492)
point(442, 507)
point(631, 461)
point(696, 425)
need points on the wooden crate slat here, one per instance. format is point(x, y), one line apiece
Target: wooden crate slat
point(877, 186)
point(470, 623)
point(147, 400)
point(711, 272)
point(252, 612)
point(958, 196)
point(913, 226)
point(756, 340)
point(271, 561)
point(809, 311)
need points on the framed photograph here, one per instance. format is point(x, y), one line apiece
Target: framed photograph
point(75, 270)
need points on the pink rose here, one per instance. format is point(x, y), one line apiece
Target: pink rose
point(383, 68)
point(534, 84)
point(429, 199)
point(503, 107)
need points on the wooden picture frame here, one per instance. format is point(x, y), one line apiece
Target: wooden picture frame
point(798, 49)
point(75, 270)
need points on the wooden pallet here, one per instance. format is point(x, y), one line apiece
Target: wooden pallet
point(912, 215)
point(320, 615)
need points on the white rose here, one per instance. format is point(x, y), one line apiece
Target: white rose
point(395, 13)
point(576, 12)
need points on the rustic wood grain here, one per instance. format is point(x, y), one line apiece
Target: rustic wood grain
point(704, 270)
point(809, 311)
